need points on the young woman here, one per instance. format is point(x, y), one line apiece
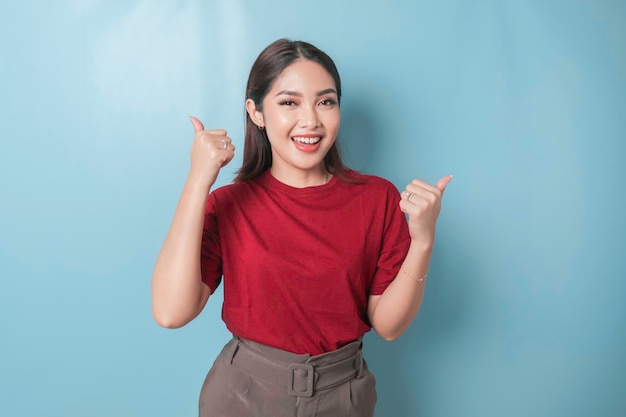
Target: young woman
point(312, 254)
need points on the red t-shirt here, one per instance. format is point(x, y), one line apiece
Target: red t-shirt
point(299, 263)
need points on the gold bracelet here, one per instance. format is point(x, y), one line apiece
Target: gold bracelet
point(418, 280)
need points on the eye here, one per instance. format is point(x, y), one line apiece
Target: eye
point(328, 102)
point(287, 103)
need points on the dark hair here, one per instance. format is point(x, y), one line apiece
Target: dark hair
point(271, 62)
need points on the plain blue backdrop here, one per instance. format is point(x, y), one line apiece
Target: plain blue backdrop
point(523, 101)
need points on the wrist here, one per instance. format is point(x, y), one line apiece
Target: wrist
point(417, 278)
point(421, 245)
point(198, 184)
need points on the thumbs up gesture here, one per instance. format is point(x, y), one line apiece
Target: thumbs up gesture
point(422, 204)
point(211, 150)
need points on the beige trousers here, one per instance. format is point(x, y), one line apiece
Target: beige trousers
point(249, 379)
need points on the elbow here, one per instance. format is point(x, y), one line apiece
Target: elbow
point(389, 336)
point(167, 320)
point(171, 310)
point(167, 323)
point(389, 332)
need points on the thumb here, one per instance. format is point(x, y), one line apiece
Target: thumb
point(197, 124)
point(443, 182)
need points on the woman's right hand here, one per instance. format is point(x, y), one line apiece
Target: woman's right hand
point(210, 151)
point(178, 293)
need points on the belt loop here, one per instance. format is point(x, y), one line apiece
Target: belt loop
point(359, 364)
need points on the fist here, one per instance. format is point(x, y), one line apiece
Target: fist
point(211, 150)
point(421, 202)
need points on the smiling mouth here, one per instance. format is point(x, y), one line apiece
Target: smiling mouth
point(308, 140)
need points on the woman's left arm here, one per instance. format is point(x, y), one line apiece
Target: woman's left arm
point(392, 312)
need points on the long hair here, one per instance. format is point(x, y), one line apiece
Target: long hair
point(271, 62)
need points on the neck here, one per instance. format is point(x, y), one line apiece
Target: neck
point(302, 179)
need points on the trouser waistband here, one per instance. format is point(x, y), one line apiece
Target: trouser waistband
point(300, 375)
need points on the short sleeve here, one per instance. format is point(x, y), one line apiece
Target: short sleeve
point(395, 243)
point(210, 252)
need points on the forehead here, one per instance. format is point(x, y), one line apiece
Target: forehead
point(304, 75)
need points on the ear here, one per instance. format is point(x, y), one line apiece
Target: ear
point(255, 114)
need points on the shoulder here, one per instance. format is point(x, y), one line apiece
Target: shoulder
point(229, 189)
point(235, 188)
point(370, 182)
point(227, 195)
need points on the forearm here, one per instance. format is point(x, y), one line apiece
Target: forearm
point(393, 311)
point(178, 294)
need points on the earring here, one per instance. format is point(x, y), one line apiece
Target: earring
point(261, 127)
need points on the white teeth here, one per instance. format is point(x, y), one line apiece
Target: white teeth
point(308, 141)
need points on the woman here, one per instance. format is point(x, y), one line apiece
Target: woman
point(313, 255)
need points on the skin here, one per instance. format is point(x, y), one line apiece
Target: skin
point(392, 312)
point(178, 293)
point(302, 102)
point(300, 107)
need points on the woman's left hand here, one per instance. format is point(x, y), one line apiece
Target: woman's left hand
point(422, 203)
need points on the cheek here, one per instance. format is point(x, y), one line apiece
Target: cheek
point(332, 121)
point(278, 121)
point(278, 127)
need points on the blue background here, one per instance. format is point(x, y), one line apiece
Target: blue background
point(524, 102)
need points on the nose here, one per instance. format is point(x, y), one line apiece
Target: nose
point(308, 117)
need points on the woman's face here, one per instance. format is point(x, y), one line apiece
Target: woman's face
point(301, 118)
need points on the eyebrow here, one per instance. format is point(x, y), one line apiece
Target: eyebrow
point(297, 94)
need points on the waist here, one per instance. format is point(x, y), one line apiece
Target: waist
point(300, 375)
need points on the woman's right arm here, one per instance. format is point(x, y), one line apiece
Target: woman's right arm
point(178, 293)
